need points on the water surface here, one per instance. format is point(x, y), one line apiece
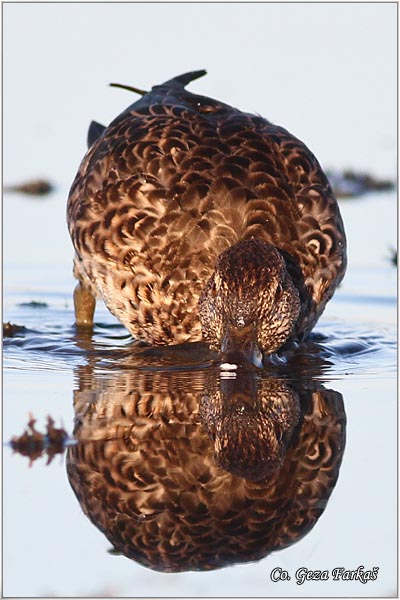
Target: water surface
point(103, 386)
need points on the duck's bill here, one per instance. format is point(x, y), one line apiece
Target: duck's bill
point(239, 346)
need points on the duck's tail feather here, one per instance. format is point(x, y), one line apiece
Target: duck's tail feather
point(186, 77)
point(180, 79)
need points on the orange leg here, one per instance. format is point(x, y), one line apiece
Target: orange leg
point(84, 303)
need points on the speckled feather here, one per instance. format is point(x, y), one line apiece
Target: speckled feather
point(145, 469)
point(175, 180)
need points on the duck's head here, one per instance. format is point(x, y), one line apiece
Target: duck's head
point(250, 305)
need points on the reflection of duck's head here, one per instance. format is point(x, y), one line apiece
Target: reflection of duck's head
point(251, 422)
point(250, 304)
point(145, 473)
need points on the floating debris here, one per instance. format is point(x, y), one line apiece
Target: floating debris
point(34, 304)
point(37, 187)
point(114, 552)
point(11, 329)
point(393, 256)
point(348, 183)
point(34, 444)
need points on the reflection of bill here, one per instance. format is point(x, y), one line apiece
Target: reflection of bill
point(191, 471)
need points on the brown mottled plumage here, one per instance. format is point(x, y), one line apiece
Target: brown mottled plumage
point(161, 469)
point(251, 423)
point(180, 185)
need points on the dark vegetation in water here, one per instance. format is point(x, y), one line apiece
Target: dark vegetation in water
point(36, 187)
point(393, 256)
point(346, 184)
point(34, 304)
point(34, 444)
point(349, 184)
point(11, 329)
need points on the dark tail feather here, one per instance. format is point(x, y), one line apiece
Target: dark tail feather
point(95, 131)
point(186, 77)
point(181, 79)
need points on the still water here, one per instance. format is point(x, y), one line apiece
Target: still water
point(157, 470)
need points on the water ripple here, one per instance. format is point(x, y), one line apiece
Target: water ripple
point(334, 350)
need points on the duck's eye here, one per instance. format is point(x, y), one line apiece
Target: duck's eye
point(248, 347)
point(278, 433)
point(278, 292)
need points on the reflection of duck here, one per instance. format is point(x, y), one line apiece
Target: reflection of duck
point(191, 218)
point(251, 422)
point(148, 473)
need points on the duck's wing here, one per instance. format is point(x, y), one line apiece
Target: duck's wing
point(142, 210)
point(319, 231)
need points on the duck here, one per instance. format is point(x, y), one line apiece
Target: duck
point(195, 221)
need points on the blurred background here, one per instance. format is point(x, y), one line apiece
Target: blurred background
point(325, 71)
